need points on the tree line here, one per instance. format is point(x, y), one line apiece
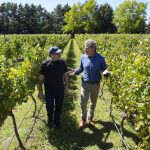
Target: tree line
point(31, 19)
point(89, 17)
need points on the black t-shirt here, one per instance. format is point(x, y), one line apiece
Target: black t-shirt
point(53, 72)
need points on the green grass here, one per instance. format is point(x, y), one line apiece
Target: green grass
point(102, 136)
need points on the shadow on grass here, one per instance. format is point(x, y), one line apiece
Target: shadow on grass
point(108, 126)
point(72, 138)
point(99, 136)
point(96, 137)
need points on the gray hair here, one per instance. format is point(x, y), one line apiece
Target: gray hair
point(91, 43)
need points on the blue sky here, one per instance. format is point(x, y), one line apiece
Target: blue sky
point(49, 5)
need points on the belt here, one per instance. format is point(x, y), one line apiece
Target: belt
point(91, 82)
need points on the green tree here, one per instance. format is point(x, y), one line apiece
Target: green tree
point(21, 19)
point(42, 19)
point(12, 17)
point(57, 16)
point(130, 17)
point(24, 19)
point(73, 20)
point(104, 19)
point(2, 18)
point(88, 17)
point(8, 21)
point(148, 27)
point(81, 18)
point(33, 19)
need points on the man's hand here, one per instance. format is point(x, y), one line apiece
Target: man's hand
point(71, 71)
point(106, 73)
point(40, 95)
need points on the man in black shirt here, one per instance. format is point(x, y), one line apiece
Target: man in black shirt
point(53, 74)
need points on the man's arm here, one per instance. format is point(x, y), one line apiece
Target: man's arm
point(77, 71)
point(66, 79)
point(66, 83)
point(41, 81)
point(106, 73)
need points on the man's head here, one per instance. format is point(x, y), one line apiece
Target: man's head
point(55, 52)
point(90, 47)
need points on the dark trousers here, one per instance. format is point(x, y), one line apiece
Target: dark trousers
point(54, 101)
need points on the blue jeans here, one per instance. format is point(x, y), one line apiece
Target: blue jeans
point(54, 101)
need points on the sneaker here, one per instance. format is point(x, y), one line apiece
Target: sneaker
point(91, 122)
point(82, 124)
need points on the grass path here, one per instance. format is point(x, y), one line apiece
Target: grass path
point(37, 136)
